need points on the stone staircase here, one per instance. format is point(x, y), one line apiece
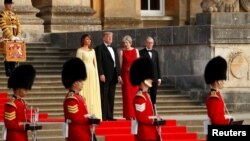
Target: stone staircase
point(170, 101)
point(48, 92)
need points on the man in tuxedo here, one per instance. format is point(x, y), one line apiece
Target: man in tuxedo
point(109, 74)
point(151, 53)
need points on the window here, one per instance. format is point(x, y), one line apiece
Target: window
point(152, 7)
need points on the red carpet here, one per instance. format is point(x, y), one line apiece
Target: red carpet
point(120, 130)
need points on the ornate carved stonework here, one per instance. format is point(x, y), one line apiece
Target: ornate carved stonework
point(238, 65)
point(245, 5)
point(220, 5)
point(238, 58)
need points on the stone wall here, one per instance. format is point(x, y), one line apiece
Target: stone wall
point(183, 51)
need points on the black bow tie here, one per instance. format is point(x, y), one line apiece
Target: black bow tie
point(149, 50)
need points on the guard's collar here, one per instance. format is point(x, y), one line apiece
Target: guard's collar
point(16, 97)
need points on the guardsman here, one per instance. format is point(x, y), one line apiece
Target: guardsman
point(141, 74)
point(10, 25)
point(75, 111)
point(215, 74)
point(15, 118)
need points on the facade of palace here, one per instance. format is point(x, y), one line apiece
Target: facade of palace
point(91, 15)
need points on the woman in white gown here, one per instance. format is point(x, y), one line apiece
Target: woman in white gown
point(91, 87)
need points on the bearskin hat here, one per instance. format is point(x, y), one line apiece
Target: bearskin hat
point(73, 70)
point(8, 2)
point(23, 76)
point(216, 69)
point(140, 70)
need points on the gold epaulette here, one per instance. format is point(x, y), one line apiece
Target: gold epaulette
point(71, 96)
point(213, 94)
point(11, 102)
point(139, 93)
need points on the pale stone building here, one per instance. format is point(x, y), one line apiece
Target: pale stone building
point(90, 15)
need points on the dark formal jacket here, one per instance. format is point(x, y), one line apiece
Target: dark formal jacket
point(105, 63)
point(155, 59)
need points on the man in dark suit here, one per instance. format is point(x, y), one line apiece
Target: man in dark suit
point(109, 74)
point(151, 53)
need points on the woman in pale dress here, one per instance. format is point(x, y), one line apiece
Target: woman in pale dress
point(91, 87)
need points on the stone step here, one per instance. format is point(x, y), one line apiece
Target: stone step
point(56, 114)
point(173, 112)
point(50, 54)
point(41, 81)
point(41, 67)
point(41, 46)
point(47, 105)
point(39, 89)
point(48, 92)
point(42, 72)
point(163, 97)
point(51, 132)
point(44, 62)
point(161, 91)
point(174, 107)
point(47, 58)
point(53, 98)
point(175, 102)
point(50, 110)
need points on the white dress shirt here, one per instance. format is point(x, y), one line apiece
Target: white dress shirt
point(149, 52)
point(111, 51)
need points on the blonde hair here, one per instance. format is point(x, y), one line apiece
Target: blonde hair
point(107, 33)
point(127, 38)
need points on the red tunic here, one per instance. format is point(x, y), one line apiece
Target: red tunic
point(143, 110)
point(75, 111)
point(216, 108)
point(128, 90)
point(14, 119)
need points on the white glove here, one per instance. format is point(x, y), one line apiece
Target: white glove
point(229, 117)
point(18, 38)
point(15, 38)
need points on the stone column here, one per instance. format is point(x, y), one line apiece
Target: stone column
point(27, 15)
point(122, 14)
point(195, 8)
point(67, 15)
point(183, 12)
